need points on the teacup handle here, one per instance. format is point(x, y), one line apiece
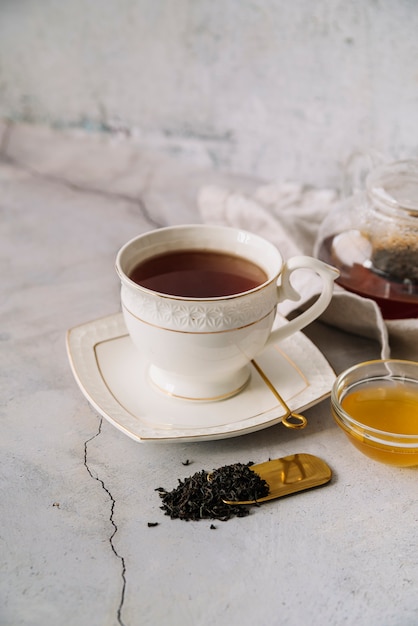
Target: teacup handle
point(285, 291)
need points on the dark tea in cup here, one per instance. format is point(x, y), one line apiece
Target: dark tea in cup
point(198, 274)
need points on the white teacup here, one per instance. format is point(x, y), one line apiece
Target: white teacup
point(199, 348)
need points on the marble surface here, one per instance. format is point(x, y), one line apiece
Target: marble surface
point(265, 87)
point(77, 494)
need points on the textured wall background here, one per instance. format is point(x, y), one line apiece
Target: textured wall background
point(271, 88)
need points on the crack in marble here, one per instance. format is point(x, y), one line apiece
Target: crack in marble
point(138, 202)
point(112, 521)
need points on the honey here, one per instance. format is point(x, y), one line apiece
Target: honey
point(391, 408)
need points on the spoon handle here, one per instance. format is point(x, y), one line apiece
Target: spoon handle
point(301, 420)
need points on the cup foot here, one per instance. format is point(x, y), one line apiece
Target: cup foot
point(199, 389)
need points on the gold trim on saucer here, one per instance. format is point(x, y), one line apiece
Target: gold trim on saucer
point(143, 417)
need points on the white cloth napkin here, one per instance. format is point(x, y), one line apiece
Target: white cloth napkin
point(289, 215)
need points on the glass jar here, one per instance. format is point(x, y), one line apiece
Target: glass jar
point(372, 238)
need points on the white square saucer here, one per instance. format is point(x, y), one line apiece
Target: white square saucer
point(112, 374)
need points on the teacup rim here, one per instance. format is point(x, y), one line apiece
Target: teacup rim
point(273, 278)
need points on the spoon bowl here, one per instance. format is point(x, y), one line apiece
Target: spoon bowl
point(289, 474)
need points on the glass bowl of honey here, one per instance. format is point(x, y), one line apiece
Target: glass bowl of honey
point(375, 403)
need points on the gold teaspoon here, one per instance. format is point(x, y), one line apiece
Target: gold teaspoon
point(289, 474)
point(301, 420)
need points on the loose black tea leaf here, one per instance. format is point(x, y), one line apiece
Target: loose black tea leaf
point(212, 527)
point(186, 462)
point(397, 259)
point(152, 524)
point(201, 496)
